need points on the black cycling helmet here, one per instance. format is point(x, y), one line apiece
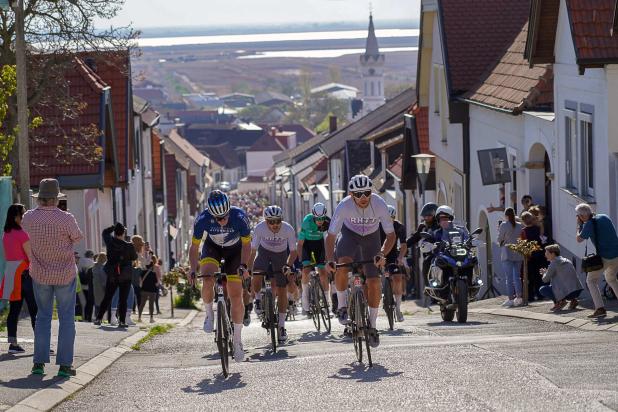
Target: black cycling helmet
point(429, 209)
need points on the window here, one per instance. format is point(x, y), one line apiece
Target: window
point(571, 151)
point(587, 154)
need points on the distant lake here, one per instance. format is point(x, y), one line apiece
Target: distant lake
point(320, 54)
point(273, 37)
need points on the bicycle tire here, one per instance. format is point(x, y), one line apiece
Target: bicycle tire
point(324, 309)
point(270, 316)
point(364, 322)
point(355, 330)
point(389, 303)
point(222, 337)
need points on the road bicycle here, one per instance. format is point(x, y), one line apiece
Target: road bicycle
point(358, 325)
point(269, 316)
point(224, 335)
point(318, 304)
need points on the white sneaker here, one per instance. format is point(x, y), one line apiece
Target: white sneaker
point(518, 302)
point(509, 303)
point(208, 325)
point(239, 352)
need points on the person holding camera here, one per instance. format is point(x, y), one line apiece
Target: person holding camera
point(601, 231)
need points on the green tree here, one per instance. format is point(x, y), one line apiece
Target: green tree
point(8, 87)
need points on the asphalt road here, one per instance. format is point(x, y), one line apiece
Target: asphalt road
point(491, 363)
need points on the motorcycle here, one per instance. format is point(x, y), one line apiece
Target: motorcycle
point(454, 277)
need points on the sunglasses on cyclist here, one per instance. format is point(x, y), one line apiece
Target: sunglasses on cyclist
point(358, 195)
point(273, 221)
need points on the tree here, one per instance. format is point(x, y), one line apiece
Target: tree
point(57, 31)
point(8, 87)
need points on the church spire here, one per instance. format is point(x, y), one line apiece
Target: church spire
point(372, 48)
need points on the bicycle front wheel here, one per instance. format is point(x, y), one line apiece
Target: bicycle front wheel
point(363, 317)
point(223, 337)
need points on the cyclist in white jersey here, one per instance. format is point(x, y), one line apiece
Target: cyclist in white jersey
point(357, 220)
point(274, 241)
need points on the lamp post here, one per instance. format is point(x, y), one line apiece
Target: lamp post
point(423, 165)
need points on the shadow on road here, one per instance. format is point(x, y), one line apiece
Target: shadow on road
point(362, 373)
point(217, 384)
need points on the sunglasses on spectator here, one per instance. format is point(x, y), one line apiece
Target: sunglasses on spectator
point(273, 221)
point(358, 195)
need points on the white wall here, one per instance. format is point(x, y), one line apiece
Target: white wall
point(258, 163)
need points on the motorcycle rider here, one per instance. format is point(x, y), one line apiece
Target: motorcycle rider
point(429, 225)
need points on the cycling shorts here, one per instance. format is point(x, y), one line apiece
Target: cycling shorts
point(357, 247)
point(269, 262)
point(213, 253)
point(314, 250)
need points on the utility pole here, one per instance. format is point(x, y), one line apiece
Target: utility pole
point(22, 104)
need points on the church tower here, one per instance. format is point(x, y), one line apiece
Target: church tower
point(372, 70)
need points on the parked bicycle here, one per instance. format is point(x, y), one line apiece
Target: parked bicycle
point(358, 326)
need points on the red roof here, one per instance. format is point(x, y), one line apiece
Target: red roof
point(513, 84)
point(592, 22)
point(51, 155)
point(170, 183)
point(476, 33)
point(114, 67)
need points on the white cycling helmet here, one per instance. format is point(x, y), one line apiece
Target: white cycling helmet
point(319, 210)
point(273, 212)
point(360, 183)
point(446, 211)
point(392, 211)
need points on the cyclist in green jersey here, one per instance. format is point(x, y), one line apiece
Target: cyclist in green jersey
point(311, 243)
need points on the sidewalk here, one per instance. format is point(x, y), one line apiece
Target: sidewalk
point(16, 382)
point(540, 311)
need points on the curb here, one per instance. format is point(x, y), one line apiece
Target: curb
point(577, 323)
point(47, 398)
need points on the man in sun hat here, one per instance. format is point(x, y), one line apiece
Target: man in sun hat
point(53, 235)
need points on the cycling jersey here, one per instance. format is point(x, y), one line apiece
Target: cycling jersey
point(363, 222)
point(237, 228)
point(275, 242)
point(400, 232)
point(309, 230)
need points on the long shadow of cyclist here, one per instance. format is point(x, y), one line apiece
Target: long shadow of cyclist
point(217, 384)
point(363, 373)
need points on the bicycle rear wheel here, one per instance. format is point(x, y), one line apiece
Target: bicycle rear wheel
point(363, 316)
point(222, 337)
point(323, 307)
point(389, 303)
point(355, 330)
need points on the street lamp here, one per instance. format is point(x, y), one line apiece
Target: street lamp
point(423, 165)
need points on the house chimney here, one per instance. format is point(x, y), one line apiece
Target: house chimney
point(332, 124)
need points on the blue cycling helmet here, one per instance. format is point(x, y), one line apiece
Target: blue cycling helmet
point(218, 203)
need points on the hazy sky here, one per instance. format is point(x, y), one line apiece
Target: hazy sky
point(161, 13)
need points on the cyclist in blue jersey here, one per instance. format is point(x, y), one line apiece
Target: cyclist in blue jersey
point(227, 235)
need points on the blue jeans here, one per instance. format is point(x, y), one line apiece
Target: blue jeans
point(513, 281)
point(548, 292)
point(65, 304)
point(130, 299)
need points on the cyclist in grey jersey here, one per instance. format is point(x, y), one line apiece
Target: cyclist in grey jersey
point(357, 220)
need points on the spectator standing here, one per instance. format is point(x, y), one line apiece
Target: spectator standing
point(119, 268)
point(17, 283)
point(508, 234)
point(149, 289)
point(564, 286)
point(85, 266)
point(53, 235)
point(601, 231)
point(99, 280)
point(537, 261)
